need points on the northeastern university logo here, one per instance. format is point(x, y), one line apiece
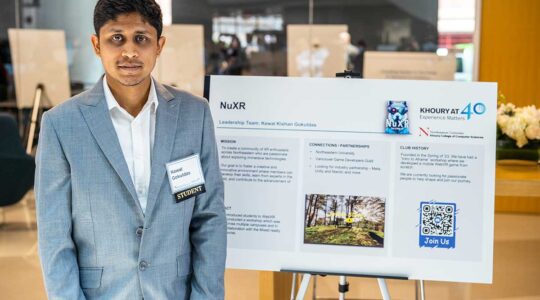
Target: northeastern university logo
point(397, 118)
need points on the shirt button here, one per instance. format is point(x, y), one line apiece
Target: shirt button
point(143, 265)
point(139, 231)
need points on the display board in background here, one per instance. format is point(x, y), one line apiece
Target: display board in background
point(316, 50)
point(409, 65)
point(39, 56)
point(376, 177)
point(181, 63)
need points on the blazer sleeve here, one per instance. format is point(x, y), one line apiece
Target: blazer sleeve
point(208, 228)
point(53, 207)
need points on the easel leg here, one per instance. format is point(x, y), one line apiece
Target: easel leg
point(26, 208)
point(33, 120)
point(383, 288)
point(343, 287)
point(314, 296)
point(303, 287)
point(293, 289)
point(422, 291)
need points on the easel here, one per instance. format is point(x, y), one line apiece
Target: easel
point(343, 286)
point(38, 96)
point(37, 105)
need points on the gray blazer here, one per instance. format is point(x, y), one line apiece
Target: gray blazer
point(94, 241)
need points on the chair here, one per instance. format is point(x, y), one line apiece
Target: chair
point(16, 167)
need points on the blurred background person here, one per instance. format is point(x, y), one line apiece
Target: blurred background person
point(236, 61)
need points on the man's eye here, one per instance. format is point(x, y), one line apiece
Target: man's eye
point(117, 38)
point(141, 38)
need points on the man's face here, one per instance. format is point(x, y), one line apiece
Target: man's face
point(128, 48)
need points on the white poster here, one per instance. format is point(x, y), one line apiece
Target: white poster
point(373, 177)
point(39, 57)
point(409, 65)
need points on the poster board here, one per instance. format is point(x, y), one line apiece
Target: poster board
point(387, 178)
point(409, 65)
point(316, 50)
point(39, 56)
point(181, 63)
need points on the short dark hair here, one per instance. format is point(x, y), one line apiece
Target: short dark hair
point(107, 10)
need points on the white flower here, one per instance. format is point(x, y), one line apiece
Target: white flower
point(506, 109)
point(502, 120)
point(533, 132)
point(530, 114)
point(515, 129)
point(519, 123)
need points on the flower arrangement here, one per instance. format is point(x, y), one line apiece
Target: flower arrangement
point(521, 124)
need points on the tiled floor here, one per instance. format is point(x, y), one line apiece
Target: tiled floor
point(516, 268)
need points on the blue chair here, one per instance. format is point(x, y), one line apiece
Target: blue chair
point(16, 167)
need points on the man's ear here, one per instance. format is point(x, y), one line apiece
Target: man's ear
point(161, 44)
point(95, 44)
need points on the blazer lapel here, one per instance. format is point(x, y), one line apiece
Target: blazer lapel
point(96, 115)
point(166, 125)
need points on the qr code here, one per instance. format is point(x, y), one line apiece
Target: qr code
point(437, 225)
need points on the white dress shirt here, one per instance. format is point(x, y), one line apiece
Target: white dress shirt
point(136, 137)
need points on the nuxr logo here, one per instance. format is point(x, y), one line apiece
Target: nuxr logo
point(232, 105)
point(397, 118)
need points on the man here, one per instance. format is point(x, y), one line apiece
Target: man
point(128, 188)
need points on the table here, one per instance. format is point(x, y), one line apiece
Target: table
point(517, 187)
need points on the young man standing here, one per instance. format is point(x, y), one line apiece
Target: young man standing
point(128, 188)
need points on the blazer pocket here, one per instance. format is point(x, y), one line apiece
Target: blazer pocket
point(90, 277)
point(184, 264)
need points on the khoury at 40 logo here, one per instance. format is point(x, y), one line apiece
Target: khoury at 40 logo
point(397, 118)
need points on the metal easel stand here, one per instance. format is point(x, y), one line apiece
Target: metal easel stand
point(343, 287)
point(304, 286)
point(419, 287)
point(38, 96)
point(35, 109)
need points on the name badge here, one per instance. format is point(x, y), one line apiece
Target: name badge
point(186, 177)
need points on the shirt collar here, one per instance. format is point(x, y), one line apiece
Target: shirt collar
point(112, 103)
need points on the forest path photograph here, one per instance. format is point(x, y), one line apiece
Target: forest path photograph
point(344, 220)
